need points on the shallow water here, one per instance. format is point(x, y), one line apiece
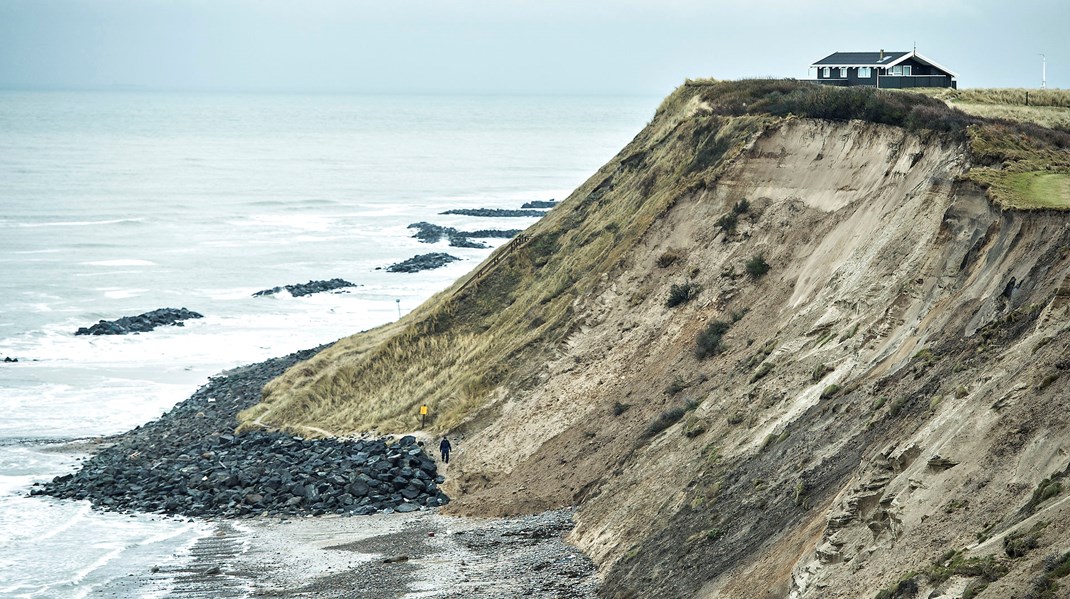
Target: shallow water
point(115, 204)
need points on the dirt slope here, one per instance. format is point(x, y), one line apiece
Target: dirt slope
point(893, 388)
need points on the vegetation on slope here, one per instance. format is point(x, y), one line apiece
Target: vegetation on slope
point(459, 346)
point(465, 342)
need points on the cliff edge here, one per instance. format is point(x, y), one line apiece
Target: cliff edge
point(791, 342)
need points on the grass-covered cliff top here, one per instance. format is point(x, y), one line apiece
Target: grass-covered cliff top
point(1022, 153)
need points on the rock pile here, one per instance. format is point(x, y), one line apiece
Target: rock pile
point(190, 462)
point(430, 233)
point(494, 212)
point(301, 289)
point(540, 204)
point(141, 323)
point(260, 473)
point(423, 262)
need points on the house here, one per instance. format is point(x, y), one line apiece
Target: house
point(886, 70)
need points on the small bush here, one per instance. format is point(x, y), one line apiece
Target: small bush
point(695, 426)
point(681, 294)
point(820, 371)
point(665, 420)
point(897, 406)
point(757, 266)
point(1016, 546)
point(709, 341)
point(620, 408)
point(677, 385)
point(668, 258)
point(727, 223)
point(830, 391)
point(741, 207)
point(763, 370)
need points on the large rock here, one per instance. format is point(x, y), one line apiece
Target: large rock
point(423, 262)
point(141, 323)
point(301, 289)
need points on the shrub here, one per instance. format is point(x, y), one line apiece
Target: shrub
point(727, 223)
point(757, 266)
point(620, 408)
point(665, 420)
point(819, 372)
point(668, 258)
point(830, 391)
point(677, 385)
point(763, 370)
point(709, 340)
point(681, 294)
point(741, 207)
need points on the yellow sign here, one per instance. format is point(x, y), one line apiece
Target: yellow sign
point(423, 410)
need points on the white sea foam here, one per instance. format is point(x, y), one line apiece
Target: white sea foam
point(121, 262)
point(74, 223)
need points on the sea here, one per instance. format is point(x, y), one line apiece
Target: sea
point(117, 203)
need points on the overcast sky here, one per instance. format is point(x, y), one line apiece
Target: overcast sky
point(643, 47)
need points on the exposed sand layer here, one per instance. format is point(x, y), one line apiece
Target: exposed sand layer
point(393, 555)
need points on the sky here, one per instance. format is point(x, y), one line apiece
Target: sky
point(590, 47)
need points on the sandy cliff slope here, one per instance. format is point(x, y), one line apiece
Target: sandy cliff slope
point(881, 413)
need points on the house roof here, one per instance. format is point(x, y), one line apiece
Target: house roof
point(873, 59)
point(859, 59)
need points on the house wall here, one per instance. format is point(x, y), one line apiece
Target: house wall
point(922, 75)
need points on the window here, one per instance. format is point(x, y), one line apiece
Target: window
point(843, 72)
point(826, 72)
point(897, 71)
point(906, 70)
point(865, 72)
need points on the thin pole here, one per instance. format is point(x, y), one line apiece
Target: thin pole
point(1043, 71)
point(399, 307)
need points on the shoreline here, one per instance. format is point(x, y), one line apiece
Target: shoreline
point(329, 555)
point(412, 555)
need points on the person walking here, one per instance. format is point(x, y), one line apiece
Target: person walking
point(444, 447)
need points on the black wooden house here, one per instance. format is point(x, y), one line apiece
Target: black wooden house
point(886, 70)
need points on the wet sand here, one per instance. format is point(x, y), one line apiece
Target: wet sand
point(420, 554)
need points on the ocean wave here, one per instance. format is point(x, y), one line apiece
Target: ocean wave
point(120, 262)
point(73, 223)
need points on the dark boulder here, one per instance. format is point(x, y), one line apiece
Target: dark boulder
point(423, 262)
point(302, 289)
point(141, 323)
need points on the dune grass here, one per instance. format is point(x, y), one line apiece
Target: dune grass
point(1046, 107)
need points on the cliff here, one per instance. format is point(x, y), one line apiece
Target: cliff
point(791, 341)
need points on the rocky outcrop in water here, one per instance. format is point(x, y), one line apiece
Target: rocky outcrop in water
point(302, 289)
point(190, 462)
point(430, 233)
point(423, 262)
point(540, 204)
point(494, 212)
point(141, 323)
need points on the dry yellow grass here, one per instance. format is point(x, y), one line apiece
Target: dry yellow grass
point(1046, 107)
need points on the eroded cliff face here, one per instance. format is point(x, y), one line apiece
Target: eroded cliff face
point(892, 389)
point(858, 424)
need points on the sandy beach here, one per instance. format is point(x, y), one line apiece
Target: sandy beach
point(420, 554)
